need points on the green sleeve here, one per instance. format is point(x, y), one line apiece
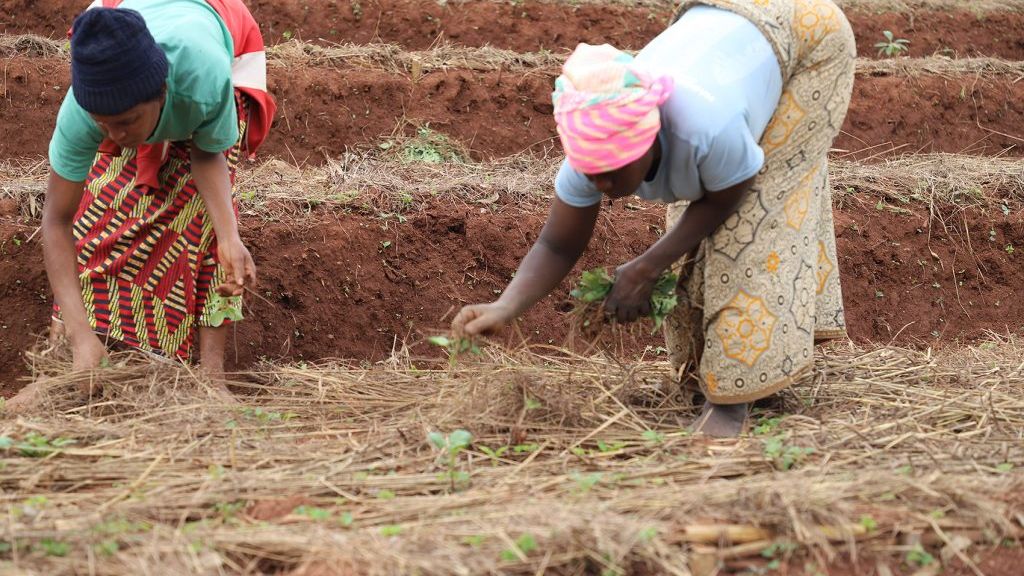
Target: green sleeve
point(76, 138)
point(219, 131)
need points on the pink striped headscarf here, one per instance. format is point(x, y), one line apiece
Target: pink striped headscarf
point(606, 108)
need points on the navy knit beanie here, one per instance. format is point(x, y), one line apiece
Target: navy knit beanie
point(115, 62)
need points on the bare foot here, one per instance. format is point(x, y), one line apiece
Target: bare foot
point(721, 420)
point(214, 378)
point(27, 399)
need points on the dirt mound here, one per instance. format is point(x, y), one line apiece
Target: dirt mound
point(357, 285)
point(530, 26)
point(324, 110)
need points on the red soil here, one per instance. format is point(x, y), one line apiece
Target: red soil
point(333, 290)
point(530, 25)
point(323, 111)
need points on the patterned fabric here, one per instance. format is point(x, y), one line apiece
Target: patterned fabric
point(147, 256)
point(606, 109)
point(764, 287)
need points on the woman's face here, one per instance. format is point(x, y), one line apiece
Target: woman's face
point(626, 180)
point(132, 127)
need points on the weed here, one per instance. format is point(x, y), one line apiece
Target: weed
point(107, 547)
point(767, 426)
point(494, 454)
point(385, 494)
point(595, 285)
point(1004, 468)
point(475, 541)
point(584, 483)
point(313, 513)
point(346, 519)
point(919, 557)
point(1009, 249)
point(653, 436)
point(648, 534)
point(452, 444)
point(783, 456)
point(522, 547)
point(776, 551)
point(868, 523)
point(891, 46)
point(390, 530)
point(455, 346)
point(430, 147)
point(52, 547)
point(35, 445)
point(525, 448)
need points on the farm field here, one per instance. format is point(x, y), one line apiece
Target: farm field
point(409, 170)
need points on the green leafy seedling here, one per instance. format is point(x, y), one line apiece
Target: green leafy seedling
point(221, 308)
point(313, 513)
point(452, 445)
point(494, 454)
point(653, 436)
point(891, 46)
point(523, 546)
point(782, 455)
point(595, 285)
point(919, 557)
point(455, 346)
point(35, 445)
point(869, 523)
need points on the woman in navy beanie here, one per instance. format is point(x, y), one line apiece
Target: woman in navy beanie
point(140, 230)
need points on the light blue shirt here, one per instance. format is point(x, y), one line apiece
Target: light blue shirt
point(727, 86)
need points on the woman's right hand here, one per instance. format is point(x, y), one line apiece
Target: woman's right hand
point(88, 352)
point(482, 319)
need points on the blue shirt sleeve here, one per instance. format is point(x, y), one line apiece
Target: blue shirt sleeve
point(732, 157)
point(574, 189)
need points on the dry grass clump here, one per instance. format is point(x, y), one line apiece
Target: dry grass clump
point(576, 464)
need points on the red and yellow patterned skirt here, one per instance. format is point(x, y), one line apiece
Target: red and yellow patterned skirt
point(147, 255)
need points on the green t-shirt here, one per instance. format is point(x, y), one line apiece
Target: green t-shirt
point(200, 100)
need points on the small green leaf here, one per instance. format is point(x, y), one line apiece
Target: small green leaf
point(346, 519)
point(653, 436)
point(1004, 467)
point(437, 439)
point(474, 541)
point(442, 341)
point(390, 530)
point(385, 494)
point(868, 523)
point(460, 439)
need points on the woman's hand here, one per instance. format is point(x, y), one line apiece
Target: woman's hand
point(482, 319)
point(239, 268)
point(630, 297)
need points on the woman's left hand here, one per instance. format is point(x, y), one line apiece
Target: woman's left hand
point(630, 297)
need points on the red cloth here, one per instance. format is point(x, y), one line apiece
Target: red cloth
point(247, 38)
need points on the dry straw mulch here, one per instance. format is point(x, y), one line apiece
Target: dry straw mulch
point(576, 464)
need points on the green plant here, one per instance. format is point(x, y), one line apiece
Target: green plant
point(431, 147)
point(891, 46)
point(783, 456)
point(452, 445)
point(767, 426)
point(918, 556)
point(595, 285)
point(35, 445)
point(313, 513)
point(775, 551)
point(584, 483)
point(475, 541)
point(525, 544)
point(868, 523)
point(52, 547)
point(494, 454)
point(221, 308)
point(455, 346)
point(390, 530)
point(1010, 249)
point(653, 436)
